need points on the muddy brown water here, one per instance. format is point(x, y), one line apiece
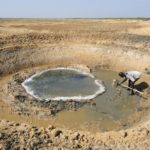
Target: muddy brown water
point(108, 111)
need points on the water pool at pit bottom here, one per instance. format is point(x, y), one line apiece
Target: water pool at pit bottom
point(63, 84)
point(111, 109)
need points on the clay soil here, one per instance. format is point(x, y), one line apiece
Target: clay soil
point(30, 45)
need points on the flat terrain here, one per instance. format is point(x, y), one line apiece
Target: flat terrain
point(30, 45)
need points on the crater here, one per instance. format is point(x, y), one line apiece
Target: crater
point(78, 100)
point(85, 101)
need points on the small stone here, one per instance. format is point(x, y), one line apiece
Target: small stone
point(52, 113)
point(66, 137)
point(6, 128)
point(11, 123)
point(38, 133)
point(93, 103)
point(76, 136)
point(51, 127)
point(57, 133)
point(49, 141)
point(147, 132)
point(19, 113)
point(147, 70)
point(34, 127)
point(1, 135)
point(125, 125)
point(139, 109)
point(125, 134)
point(89, 148)
point(78, 146)
point(17, 124)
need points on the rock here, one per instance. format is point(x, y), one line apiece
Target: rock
point(125, 125)
point(49, 141)
point(19, 113)
point(50, 127)
point(6, 128)
point(1, 135)
point(38, 133)
point(81, 67)
point(66, 137)
point(21, 133)
point(76, 136)
point(98, 67)
point(52, 112)
point(125, 134)
point(147, 91)
point(34, 127)
point(147, 70)
point(144, 132)
point(21, 98)
point(93, 103)
point(17, 124)
point(12, 123)
point(89, 148)
point(139, 109)
point(147, 132)
point(57, 133)
point(78, 146)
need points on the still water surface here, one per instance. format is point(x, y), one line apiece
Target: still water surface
point(63, 84)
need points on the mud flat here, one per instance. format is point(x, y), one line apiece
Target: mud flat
point(30, 46)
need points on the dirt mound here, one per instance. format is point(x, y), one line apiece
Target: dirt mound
point(21, 136)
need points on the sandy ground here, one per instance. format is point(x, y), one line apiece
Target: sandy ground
point(117, 45)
